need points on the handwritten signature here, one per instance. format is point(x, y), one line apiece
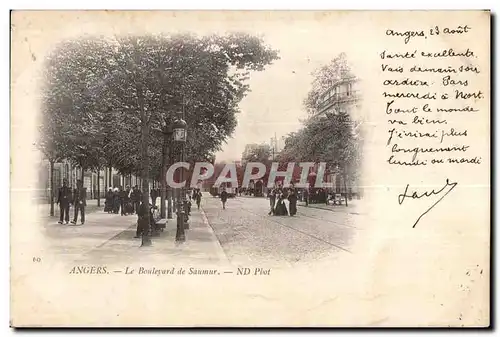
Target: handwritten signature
point(449, 186)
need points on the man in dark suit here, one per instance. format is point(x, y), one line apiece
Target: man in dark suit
point(223, 198)
point(306, 196)
point(136, 198)
point(272, 200)
point(79, 201)
point(124, 200)
point(64, 200)
point(143, 216)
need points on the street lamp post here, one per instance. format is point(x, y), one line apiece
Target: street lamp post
point(167, 152)
point(170, 162)
point(179, 128)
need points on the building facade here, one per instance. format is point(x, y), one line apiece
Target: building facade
point(343, 96)
point(91, 180)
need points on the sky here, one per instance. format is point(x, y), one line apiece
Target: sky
point(274, 106)
point(275, 103)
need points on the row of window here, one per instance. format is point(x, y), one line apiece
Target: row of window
point(338, 92)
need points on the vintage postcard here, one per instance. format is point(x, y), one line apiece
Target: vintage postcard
point(250, 168)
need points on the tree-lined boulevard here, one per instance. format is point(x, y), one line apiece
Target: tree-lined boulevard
point(140, 104)
point(243, 234)
point(113, 102)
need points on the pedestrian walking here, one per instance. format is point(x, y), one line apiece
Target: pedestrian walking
point(286, 202)
point(280, 208)
point(123, 197)
point(142, 219)
point(188, 203)
point(136, 198)
point(79, 202)
point(154, 195)
point(223, 198)
point(64, 201)
point(116, 200)
point(108, 203)
point(292, 198)
point(198, 198)
point(306, 196)
point(272, 200)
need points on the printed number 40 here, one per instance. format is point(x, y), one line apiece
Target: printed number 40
point(37, 259)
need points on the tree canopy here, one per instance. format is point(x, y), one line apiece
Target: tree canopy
point(109, 100)
point(261, 153)
point(324, 77)
point(334, 138)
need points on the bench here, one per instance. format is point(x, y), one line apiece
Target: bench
point(161, 224)
point(338, 199)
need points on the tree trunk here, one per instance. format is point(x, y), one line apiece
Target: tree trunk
point(164, 177)
point(345, 187)
point(98, 187)
point(146, 234)
point(170, 156)
point(172, 199)
point(169, 203)
point(83, 174)
point(110, 179)
point(106, 183)
point(51, 172)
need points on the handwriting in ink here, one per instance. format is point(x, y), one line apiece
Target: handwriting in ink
point(426, 194)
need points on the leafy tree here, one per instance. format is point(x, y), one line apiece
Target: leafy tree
point(257, 153)
point(326, 139)
point(51, 144)
point(332, 138)
point(118, 96)
point(324, 77)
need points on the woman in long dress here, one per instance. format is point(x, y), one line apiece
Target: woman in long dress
point(116, 200)
point(108, 204)
point(280, 208)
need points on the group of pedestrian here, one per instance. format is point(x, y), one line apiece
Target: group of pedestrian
point(76, 198)
point(283, 201)
point(124, 201)
point(144, 214)
point(149, 212)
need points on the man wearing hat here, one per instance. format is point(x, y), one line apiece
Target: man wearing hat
point(79, 201)
point(64, 199)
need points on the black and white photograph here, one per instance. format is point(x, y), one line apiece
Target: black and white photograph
point(272, 168)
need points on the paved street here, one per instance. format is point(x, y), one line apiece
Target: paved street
point(243, 234)
point(249, 235)
point(294, 250)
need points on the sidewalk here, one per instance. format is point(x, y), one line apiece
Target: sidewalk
point(200, 248)
point(353, 206)
point(70, 241)
point(43, 210)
